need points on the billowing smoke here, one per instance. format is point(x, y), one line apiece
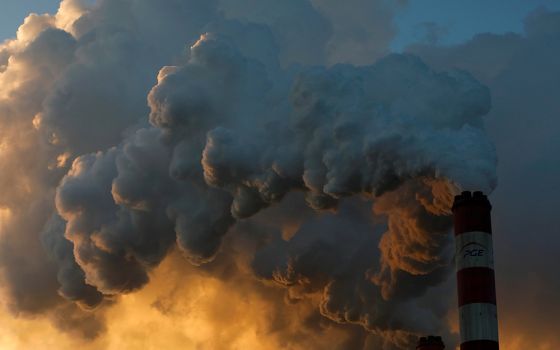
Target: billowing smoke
point(256, 161)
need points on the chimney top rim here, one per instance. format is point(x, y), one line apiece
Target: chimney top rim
point(467, 198)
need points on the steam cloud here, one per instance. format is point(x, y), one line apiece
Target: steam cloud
point(245, 126)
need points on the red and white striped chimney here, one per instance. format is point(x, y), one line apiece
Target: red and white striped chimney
point(474, 263)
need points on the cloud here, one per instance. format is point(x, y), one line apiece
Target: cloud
point(362, 29)
point(300, 32)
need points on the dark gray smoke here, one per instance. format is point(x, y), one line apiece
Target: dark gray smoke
point(222, 119)
point(337, 179)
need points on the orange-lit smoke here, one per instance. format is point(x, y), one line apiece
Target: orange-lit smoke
point(218, 177)
point(182, 308)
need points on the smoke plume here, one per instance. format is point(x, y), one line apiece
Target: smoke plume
point(273, 163)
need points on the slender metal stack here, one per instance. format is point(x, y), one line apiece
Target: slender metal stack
point(430, 343)
point(475, 272)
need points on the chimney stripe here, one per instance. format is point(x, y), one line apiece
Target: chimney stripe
point(476, 285)
point(472, 213)
point(473, 249)
point(480, 345)
point(478, 321)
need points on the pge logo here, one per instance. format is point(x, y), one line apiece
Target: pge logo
point(473, 249)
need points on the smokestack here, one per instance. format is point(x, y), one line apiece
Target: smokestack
point(474, 261)
point(430, 343)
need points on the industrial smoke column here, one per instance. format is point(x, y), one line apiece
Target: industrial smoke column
point(474, 261)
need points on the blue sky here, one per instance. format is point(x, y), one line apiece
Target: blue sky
point(12, 13)
point(452, 21)
point(456, 21)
